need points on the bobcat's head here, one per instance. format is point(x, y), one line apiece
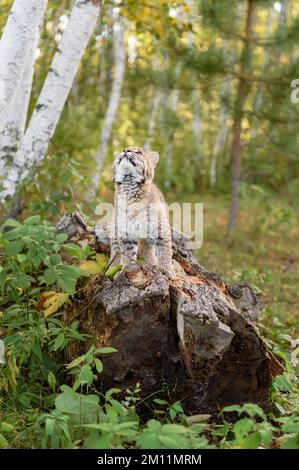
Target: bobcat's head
point(135, 165)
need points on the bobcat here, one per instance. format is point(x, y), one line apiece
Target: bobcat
point(140, 224)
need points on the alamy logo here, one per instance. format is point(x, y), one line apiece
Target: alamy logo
point(186, 219)
point(295, 93)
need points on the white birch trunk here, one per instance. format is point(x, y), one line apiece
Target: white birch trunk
point(24, 20)
point(172, 106)
point(54, 92)
point(15, 119)
point(119, 55)
point(153, 119)
point(219, 144)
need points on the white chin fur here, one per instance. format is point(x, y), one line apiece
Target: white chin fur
point(125, 168)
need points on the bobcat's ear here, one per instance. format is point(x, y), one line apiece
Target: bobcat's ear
point(154, 157)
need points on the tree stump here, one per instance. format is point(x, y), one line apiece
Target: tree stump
point(190, 339)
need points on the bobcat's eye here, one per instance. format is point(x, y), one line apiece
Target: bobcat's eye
point(138, 151)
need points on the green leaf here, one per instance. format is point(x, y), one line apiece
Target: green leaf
point(173, 442)
point(76, 362)
point(68, 285)
point(174, 429)
point(96, 441)
point(50, 276)
point(11, 223)
point(11, 234)
point(291, 443)
point(110, 392)
point(6, 427)
point(33, 220)
point(61, 237)
point(70, 271)
point(74, 250)
point(55, 259)
point(15, 247)
point(242, 427)
point(112, 271)
point(99, 365)
point(120, 410)
point(160, 402)
point(291, 427)
point(58, 341)
point(3, 442)
point(282, 383)
point(232, 408)
point(252, 441)
point(52, 381)
point(106, 350)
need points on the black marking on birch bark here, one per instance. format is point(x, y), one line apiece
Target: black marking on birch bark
point(51, 70)
point(39, 106)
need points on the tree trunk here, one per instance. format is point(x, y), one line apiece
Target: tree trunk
point(191, 339)
point(172, 103)
point(259, 93)
point(153, 118)
point(15, 48)
point(196, 120)
point(15, 119)
point(239, 109)
point(196, 123)
point(221, 134)
point(119, 55)
point(54, 92)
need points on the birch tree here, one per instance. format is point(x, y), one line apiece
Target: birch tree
point(15, 48)
point(172, 103)
point(55, 91)
point(156, 101)
point(157, 97)
point(119, 56)
point(221, 134)
point(15, 119)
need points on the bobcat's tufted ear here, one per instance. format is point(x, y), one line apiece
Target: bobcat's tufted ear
point(154, 157)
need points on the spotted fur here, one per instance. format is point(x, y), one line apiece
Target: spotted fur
point(140, 222)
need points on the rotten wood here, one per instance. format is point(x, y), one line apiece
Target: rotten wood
point(191, 339)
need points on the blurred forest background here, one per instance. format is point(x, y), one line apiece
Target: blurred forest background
point(207, 84)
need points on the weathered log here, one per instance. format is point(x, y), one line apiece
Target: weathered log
point(190, 339)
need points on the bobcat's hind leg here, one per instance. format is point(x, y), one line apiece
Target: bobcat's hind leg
point(164, 256)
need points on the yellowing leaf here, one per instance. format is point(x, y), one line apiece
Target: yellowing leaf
point(54, 302)
point(91, 267)
point(45, 295)
point(102, 260)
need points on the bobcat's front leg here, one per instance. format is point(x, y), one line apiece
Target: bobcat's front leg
point(128, 250)
point(115, 255)
point(164, 256)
